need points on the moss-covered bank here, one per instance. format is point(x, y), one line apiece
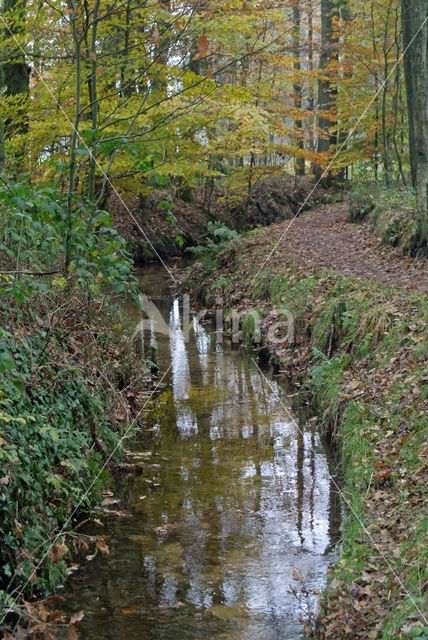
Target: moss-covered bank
point(359, 356)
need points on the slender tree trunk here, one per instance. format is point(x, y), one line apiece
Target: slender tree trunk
point(324, 87)
point(94, 102)
point(394, 132)
point(396, 98)
point(327, 91)
point(386, 165)
point(341, 131)
point(74, 136)
point(385, 137)
point(162, 44)
point(126, 88)
point(299, 160)
point(311, 97)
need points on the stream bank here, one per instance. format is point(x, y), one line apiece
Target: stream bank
point(176, 219)
point(358, 355)
point(74, 385)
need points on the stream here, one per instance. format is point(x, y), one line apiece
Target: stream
point(232, 523)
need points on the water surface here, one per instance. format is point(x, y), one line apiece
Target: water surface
point(233, 510)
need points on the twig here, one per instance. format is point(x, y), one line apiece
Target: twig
point(31, 273)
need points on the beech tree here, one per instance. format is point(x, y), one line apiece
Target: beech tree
point(14, 74)
point(190, 93)
point(414, 15)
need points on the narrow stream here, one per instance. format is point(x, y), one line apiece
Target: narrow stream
point(233, 511)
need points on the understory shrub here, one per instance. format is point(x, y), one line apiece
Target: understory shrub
point(64, 357)
point(218, 239)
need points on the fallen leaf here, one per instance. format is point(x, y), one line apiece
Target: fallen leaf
point(107, 501)
point(297, 576)
point(57, 551)
point(103, 547)
point(71, 634)
point(382, 474)
point(76, 617)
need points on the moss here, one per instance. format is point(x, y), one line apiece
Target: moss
point(251, 328)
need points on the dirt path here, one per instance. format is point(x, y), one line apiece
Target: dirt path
point(322, 237)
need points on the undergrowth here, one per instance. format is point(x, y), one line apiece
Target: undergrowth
point(64, 359)
point(393, 216)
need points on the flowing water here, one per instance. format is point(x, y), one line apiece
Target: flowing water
point(232, 521)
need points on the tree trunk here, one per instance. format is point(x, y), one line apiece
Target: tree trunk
point(94, 103)
point(311, 97)
point(415, 41)
point(15, 77)
point(326, 89)
point(299, 160)
point(74, 136)
point(15, 70)
point(342, 133)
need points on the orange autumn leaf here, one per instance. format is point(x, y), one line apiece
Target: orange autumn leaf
point(202, 45)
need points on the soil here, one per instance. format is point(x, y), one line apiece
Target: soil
point(323, 237)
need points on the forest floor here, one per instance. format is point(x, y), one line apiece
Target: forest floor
point(322, 237)
point(358, 356)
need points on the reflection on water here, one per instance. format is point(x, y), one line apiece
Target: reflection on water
point(181, 384)
point(234, 509)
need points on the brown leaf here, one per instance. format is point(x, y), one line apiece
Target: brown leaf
point(202, 45)
point(57, 551)
point(37, 611)
point(120, 414)
point(93, 55)
point(383, 474)
point(33, 576)
point(76, 617)
point(156, 36)
point(54, 616)
point(108, 500)
point(56, 598)
point(71, 634)
point(103, 547)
